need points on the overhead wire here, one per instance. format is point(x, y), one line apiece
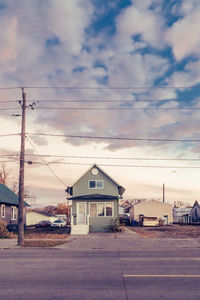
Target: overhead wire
point(120, 165)
point(102, 157)
point(45, 163)
point(115, 138)
point(120, 108)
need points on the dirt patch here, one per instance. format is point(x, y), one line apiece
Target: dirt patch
point(172, 231)
point(46, 233)
point(43, 243)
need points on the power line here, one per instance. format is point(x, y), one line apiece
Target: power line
point(120, 108)
point(113, 101)
point(10, 134)
point(103, 101)
point(8, 161)
point(110, 87)
point(45, 163)
point(109, 108)
point(116, 138)
point(10, 108)
point(9, 101)
point(103, 157)
point(10, 88)
point(119, 165)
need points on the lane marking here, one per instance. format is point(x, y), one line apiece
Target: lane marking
point(159, 275)
point(161, 258)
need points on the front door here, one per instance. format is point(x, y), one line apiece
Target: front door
point(81, 213)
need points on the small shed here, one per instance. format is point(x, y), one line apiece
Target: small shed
point(154, 209)
point(182, 215)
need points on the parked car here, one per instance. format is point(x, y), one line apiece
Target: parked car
point(59, 223)
point(44, 223)
point(125, 220)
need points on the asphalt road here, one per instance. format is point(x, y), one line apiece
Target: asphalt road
point(52, 274)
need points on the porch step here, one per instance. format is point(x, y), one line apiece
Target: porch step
point(80, 229)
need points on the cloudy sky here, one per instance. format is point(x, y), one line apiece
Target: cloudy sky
point(126, 71)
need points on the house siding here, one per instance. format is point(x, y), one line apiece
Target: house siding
point(81, 187)
point(97, 224)
point(8, 215)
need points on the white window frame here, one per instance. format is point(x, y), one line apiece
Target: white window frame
point(3, 210)
point(13, 213)
point(105, 203)
point(95, 188)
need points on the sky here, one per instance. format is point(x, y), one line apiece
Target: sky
point(115, 83)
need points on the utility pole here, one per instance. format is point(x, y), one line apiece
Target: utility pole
point(21, 173)
point(163, 192)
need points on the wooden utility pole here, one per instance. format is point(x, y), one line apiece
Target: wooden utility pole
point(163, 192)
point(21, 173)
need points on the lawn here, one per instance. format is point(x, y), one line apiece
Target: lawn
point(171, 231)
point(44, 237)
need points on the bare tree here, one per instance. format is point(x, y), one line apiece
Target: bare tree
point(6, 178)
point(4, 174)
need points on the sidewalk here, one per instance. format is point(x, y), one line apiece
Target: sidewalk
point(8, 244)
point(126, 240)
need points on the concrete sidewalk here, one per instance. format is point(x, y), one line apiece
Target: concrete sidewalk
point(125, 240)
point(8, 244)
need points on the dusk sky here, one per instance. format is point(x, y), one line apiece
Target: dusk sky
point(131, 70)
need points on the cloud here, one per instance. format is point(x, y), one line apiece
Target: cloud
point(184, 35)
point(150, 29)
point(189, 77)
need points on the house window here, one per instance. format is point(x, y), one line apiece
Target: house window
point(13, 213)
point(3, 210)
point(109, 209)
point(101, 209)
point(96, 184)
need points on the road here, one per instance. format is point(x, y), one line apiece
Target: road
point(52, 274)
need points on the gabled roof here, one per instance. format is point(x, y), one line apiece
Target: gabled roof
point(153, 201)
point(120, 187)
point(7, 196)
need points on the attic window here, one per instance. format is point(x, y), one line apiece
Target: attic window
point(95, 184)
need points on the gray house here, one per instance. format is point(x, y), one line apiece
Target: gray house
point(9, 205)
point(95, 201)
point(195, 213)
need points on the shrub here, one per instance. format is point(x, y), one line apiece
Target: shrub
point(115, 226)
point(3, 231)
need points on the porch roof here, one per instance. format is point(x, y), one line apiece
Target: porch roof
point(94, 196)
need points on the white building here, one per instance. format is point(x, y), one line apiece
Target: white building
point(34, 217)
point(154, 209)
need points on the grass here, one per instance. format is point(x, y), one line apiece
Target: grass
point(43, 243)
point(171, 231)
point(44, 237)
point(46, 233)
